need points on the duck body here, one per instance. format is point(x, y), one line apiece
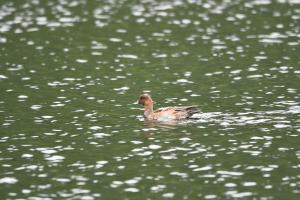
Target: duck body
point(167, 113)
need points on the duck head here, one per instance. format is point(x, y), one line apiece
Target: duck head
point(145, 100)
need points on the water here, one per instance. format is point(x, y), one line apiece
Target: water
point(70, 71)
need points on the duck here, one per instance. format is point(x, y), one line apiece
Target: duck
point(167, 113)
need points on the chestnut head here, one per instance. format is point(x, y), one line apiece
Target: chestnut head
point(145, 100)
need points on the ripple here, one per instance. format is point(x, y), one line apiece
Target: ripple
point(81, 60)
point(273, 38)
point(168, 195)
point(27, 156)
point(62, 180)
point(47, 117)
point(131, 189)
point(3, 77)
point(210, 196)
point(231, 185)
point(122, 90)
point(116, 184)
point(55, 158)
point(230, 173)
point(236, 194)
point(22, 97)
point(153, 146)
point(205, 168)
point(130, 56)
point(249, 184)
point(96, 128)
point(157, 188)
point(8, 180)
point(180, 174)
point(46, 150)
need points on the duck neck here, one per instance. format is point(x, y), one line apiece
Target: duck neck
point(148, 110)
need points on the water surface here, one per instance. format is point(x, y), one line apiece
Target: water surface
point(70, 71)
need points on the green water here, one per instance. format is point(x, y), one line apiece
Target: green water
point(71, 70)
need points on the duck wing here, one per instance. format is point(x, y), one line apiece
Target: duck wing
point(163, 109)
point(183, 112)
point(187, 111)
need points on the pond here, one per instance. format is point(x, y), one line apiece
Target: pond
point(70, 71)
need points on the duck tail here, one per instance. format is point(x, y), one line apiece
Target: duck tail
point(191, 111)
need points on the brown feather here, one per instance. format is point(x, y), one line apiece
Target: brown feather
point(176, 113)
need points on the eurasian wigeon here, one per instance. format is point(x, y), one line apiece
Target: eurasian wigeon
point(168, 113)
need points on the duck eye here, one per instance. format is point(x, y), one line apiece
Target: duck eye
point(141, 100)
